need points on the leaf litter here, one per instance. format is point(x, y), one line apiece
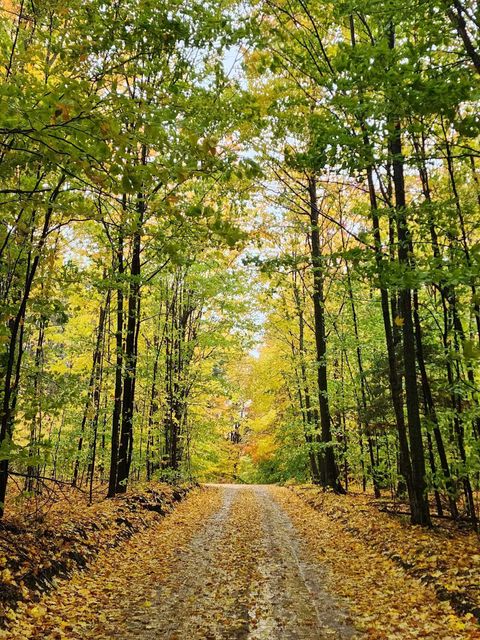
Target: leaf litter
point(359, 545)
point(240, 563)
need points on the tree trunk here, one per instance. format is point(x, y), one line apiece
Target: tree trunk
point(328, 466)
point(15, 347)
point(131, 342)
point(456, 14)
point(117, 406)
point(418, 498)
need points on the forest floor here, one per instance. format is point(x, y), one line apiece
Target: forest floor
point(446, 557)
point(243, 562)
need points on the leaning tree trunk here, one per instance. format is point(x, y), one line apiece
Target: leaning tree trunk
point(11, 377)
point(456, 13)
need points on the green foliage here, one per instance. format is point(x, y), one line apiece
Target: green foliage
point(158, 220)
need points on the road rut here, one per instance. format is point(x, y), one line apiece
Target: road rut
point(245, 575)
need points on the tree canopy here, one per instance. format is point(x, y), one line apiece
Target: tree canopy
point(239, 241)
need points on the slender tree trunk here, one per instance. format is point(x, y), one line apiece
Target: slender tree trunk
point(328, 467)
point(448, 296)
point(419, 501)
point(361, 373)
point(34, 470)
point(456, 14)
point(431, 415)
point(456, 400)
point(463, 230)
point(433, 467)
point(15, 347)
point(393, 372)
point(97, 393)
point(153, 409)
point(395, 380)
point(117, 406)
point(93, 390)
point(126, 435)
point(307, 413)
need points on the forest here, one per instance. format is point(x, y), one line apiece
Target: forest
point(240, 246)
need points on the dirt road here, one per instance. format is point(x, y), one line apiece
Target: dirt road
point(246, 574)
